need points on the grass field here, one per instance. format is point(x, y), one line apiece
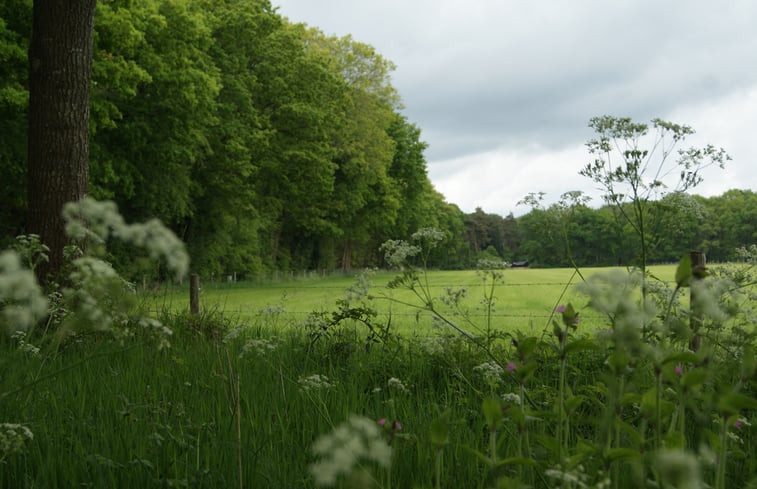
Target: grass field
point(524, 300)
point(265, 405)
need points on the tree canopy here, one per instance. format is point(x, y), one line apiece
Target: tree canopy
point(268, 145)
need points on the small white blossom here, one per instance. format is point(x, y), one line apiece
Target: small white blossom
point(432, 345)
point(357, 440)
point(512, 398)
point(259, 347)
point(314, 382)
point(490, 371)
point(94, 220)
point(22, 303)
point(13, 436)
point(396, 384)
point(679, 468)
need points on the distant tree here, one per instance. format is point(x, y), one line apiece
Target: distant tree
point(60, 65)
point(15, 26)
point(731, 223)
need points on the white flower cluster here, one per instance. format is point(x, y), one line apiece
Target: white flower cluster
point(396, 385)
point(490, 371)
point(511, 398)
point(259, 347)
point(233, 333)
point(428, 236)
point(95, 282)
point(22, 303)
point(315, 382)
point(160, 330)
point(433, 345)
point(95, 220)
point(20, 337)
point(679, 468)
point(357, 440)
point(396, 252)
point(13, 437)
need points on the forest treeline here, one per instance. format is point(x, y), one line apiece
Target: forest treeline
point(268, 145)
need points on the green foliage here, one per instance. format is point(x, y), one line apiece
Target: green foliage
point(15, 25)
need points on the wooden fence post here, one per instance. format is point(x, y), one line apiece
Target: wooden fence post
point(194, 294)
point(698, 267)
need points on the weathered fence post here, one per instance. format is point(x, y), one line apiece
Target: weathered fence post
point(194, 294)
point(698, 267)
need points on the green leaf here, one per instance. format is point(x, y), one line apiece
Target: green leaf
point(683, 272)
point(681, 357)
point(614, 454)
point(734, 402)
point(439, 430)
point(649, 402)
point(572, 403)
point(493, 413)
point(582, 344)
point(515, 461)
point(527, 345)
point(693, 378)
point(482, 457)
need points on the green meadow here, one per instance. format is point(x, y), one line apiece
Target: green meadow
point(524, 300)
point(241, 399)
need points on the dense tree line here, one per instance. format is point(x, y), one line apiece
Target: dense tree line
point(264, 144)
point(267, 145)
point(570, 231)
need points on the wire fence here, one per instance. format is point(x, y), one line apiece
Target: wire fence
point(506, 311)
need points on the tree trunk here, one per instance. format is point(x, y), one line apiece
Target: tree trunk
point(347, 256)
point(60, 66)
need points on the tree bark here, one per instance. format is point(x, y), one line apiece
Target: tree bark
point(60, 67)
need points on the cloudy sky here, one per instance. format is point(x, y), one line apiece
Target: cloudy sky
point(503, 89)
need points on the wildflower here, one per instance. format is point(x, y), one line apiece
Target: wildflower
point(22, 303)
point(569, 315)
point(259, 347)
point(511, 398)
point(679, 370)
point(396, 384)
point(511, 366)
point(679, 468)
point(314, 382)
point(432, 345)
point(13, 437)
point(390, 428)
point(357, 440)
point(490, 371)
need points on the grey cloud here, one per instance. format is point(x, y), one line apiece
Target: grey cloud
point(485, 75)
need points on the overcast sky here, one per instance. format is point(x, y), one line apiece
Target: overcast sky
point(503, 89)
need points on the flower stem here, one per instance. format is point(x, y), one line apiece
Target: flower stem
point(722, 455)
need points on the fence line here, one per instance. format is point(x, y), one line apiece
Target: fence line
point(221, 286)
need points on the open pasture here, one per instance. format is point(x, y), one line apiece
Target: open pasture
point(524, 300)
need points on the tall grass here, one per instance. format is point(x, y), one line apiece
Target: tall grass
point(230, 406)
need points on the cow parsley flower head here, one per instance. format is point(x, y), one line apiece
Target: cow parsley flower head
point(397, 385)
point(679, 468)
point(315, 382)
point(22, 303)
point(490, 371)
point(13, 437)
point(358, 440)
